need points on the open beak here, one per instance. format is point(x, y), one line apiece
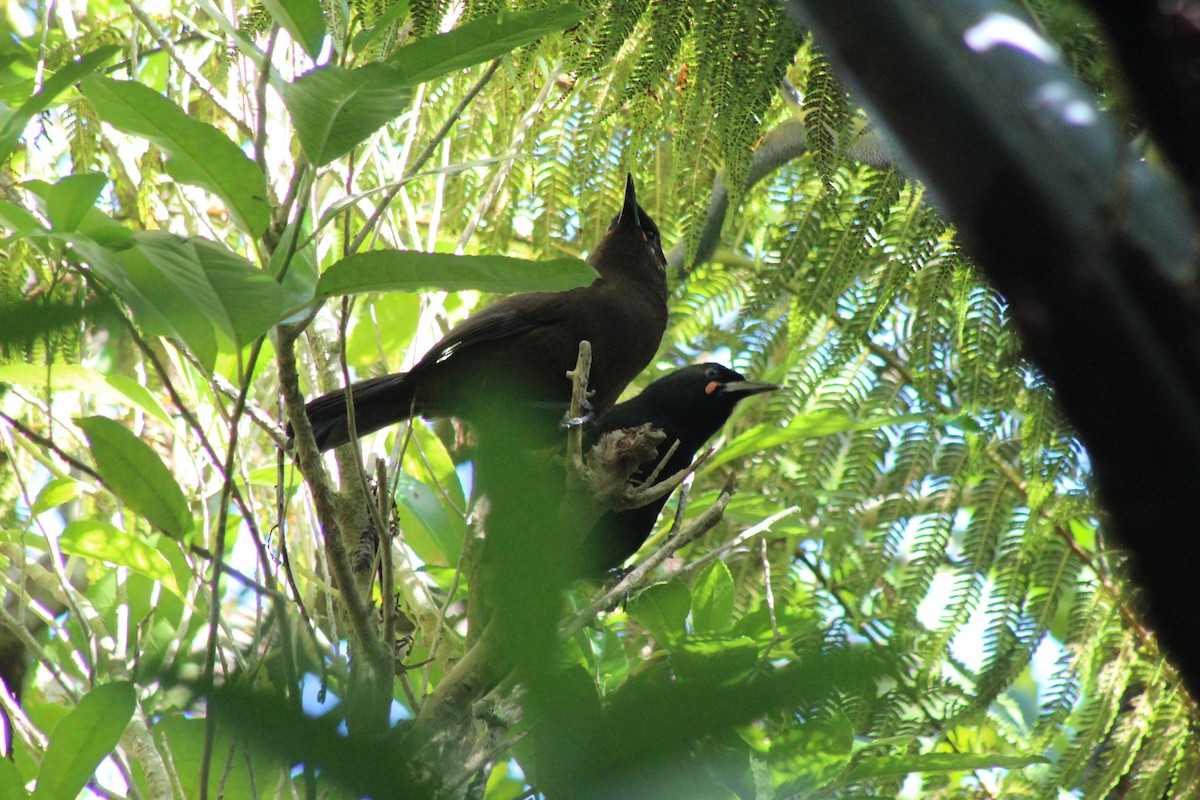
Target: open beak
point(747, 388)
point(629, 211)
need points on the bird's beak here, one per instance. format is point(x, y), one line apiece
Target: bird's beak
point(747, 388)
point(629, 211)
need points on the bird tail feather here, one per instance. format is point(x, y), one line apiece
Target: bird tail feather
point(378, 402)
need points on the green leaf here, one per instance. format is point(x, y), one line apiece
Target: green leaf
point(140, 396)
point(480, 40)
point(12, 787)
point(55, 493)
point(808, 426)
point(159, 305)
point(304, 21)
point(335, 109)
point(712, 600)
point(52, 87)
point(814, 753)
point(189, 288)
point(83, 738)
point(238, 778)
point(72, 377)
point(409, 271)
point(242, 301)
point(394, 317)
point(135, 474)
point(197, 153)
point(714, 660)
point(18, 220)
point(56, 200)
point(421, 505)
point(662, 609)
point(89, 538)
point(69, 200)
point(896, 766)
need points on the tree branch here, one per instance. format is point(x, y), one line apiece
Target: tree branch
point(1094, 252)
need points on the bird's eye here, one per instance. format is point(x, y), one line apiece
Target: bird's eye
point(710, 373)
point(649, 235)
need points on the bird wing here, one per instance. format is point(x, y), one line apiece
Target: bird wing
point(509, 318)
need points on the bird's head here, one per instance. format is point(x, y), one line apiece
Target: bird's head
point(704, 395)
point(632, 245)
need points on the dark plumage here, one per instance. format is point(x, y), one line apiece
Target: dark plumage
point(508, 362)
point(689, 405)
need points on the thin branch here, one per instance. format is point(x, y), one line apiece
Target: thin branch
point(42, 441)
point(699, 526)
point(642, 497)
point(424, 155)
point(579, 401)
point(769, 596)
point(518, 138)
point(741, 538)
point(218, 562)
point(22, 724)
point(260, 96)
point(387, 588)
point(202, 83)
point(309, 459)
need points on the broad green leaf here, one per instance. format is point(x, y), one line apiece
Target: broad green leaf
point(135, 474)
point(269, 476)
point(189, 288)
point(335, 109)
point(1083, 531)
point(141, 397)
point(159, 306)
point(55, 493)
point(896, 766)
point(197, 153)
point(421, 505)
point(12, 787)
point(393, 322)
point(409, 271)
point(100, 541)
point(662, 609)
point(69, 200)
point(814, 753)
point(18, 220)
point(808, 426)
point(304, 21)
point(712, 599)
point(57, 197)
point(241, 300)
point(240, 777)
point(714, 660)
point(154, 646)
point(72, 377)
point(83, 738)
point(53, 86)
point(482, 39)
point(428, 460)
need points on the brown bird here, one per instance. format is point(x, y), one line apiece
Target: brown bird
point(507, 364)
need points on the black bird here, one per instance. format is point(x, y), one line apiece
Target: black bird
point(689, 405)
point(510, 359)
